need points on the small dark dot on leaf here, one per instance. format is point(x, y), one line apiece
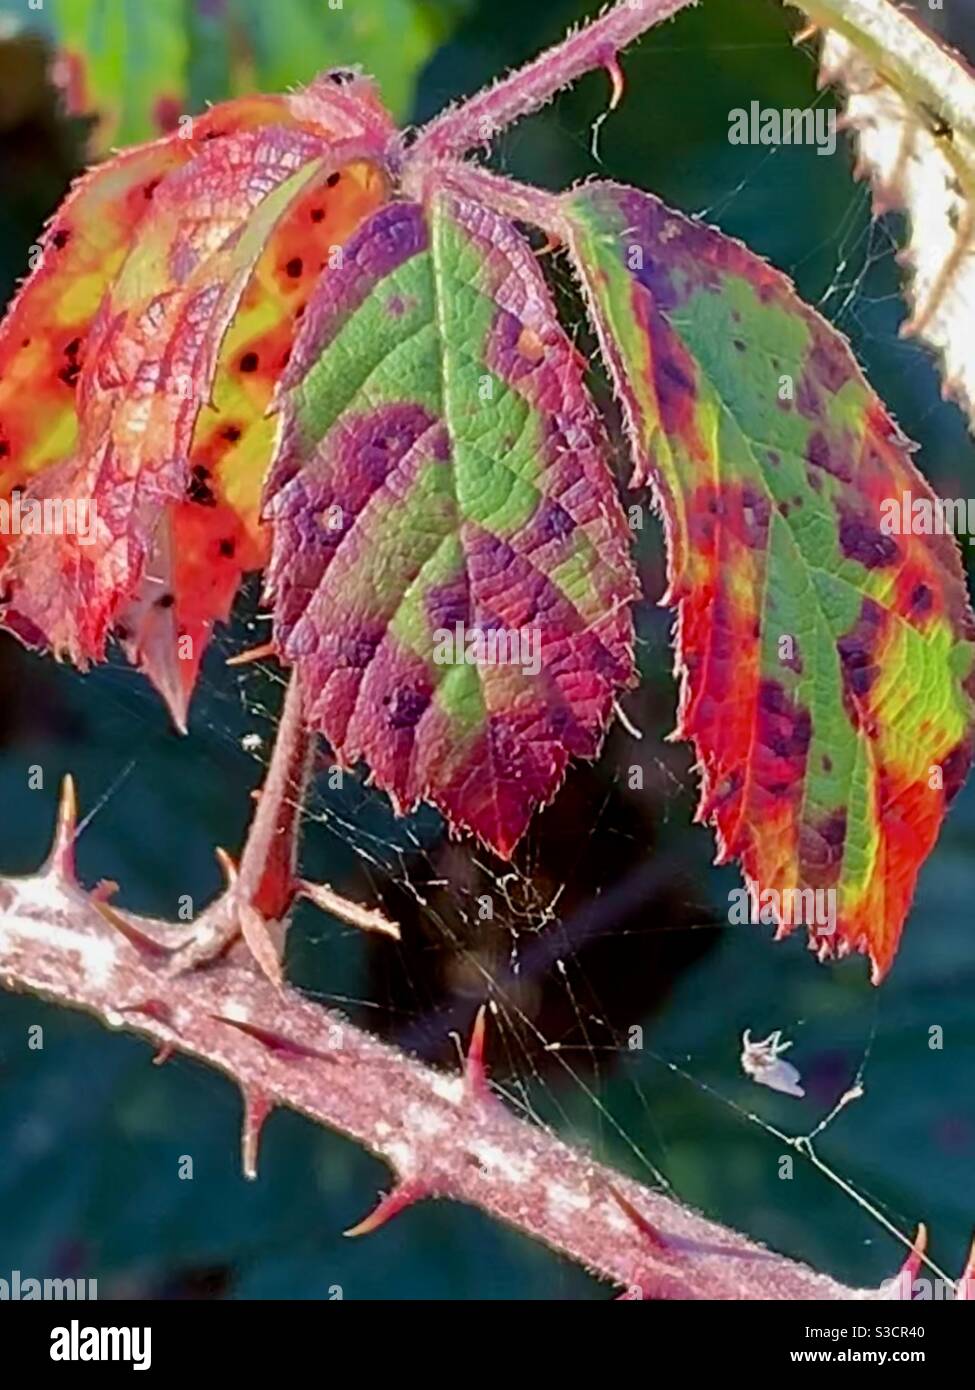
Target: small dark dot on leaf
point(332, 180)
point(4, 448)
point(72, 348)
point(25, 343)
point(226, 547)
point(231, 433)
point(294, 267)
point(165, 601)
point(248, 363)
point(60, 239)
point(317, 214)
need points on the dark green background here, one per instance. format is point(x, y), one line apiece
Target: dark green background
point(91, 1134)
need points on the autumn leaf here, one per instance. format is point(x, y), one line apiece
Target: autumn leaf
point(294, 341)
point(441, 470)
point(123, 322)
point(826, 661)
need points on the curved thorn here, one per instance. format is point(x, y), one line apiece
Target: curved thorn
point(60, 860)
point(901, 1285)
point(402, 1196)
point(475, 1072)
point(257, 1106)
point(615, 72)
point(148, 945)
point(228, 864)
point(912, 1264)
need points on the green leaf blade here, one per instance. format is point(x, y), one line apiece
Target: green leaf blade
point(437, 411)
point(826, 660)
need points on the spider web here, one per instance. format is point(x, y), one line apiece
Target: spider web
point(649, 1080)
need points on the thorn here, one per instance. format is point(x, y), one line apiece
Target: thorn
point(612, 66)
point(228, 864)
point(60, 860)
point(154, 1008)
point(260, 943)
point(475, 1072)
point(257, 1106)
point(965, 1290)
point(164, 1054)
point(366, 918)
point(177, 701)
point(901, 1285)
point(909, 1269)
point(275, 1042)
point(148, 945)
point(253, 654)
point(403, 1195)
point(104, 889)
point(810, 31)
point(653, 1236)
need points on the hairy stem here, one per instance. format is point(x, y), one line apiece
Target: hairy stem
point(477, 121)
point(442, 1135)
point(912, 59)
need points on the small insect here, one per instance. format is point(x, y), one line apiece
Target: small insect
point(762, 1061)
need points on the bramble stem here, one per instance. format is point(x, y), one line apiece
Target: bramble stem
point(477, 121)
point(441, 1135)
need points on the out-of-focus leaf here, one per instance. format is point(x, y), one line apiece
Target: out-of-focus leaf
point(137, 66)
point(826, 662)
point(911, 106)
point(124, 61)
point(441, 466)
point(272, 46)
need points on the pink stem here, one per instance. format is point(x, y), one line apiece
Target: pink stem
point(440, 1135)
point(477, 121)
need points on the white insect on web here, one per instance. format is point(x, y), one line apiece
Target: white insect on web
point(762, 1061)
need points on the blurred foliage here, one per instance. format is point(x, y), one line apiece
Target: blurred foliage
point(138, 65)
point(92, 1134)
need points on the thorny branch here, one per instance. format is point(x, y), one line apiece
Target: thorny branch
point(208, 994)
point(442, 1135)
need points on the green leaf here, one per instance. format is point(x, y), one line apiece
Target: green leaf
point(450, 570)
point(826, 657)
